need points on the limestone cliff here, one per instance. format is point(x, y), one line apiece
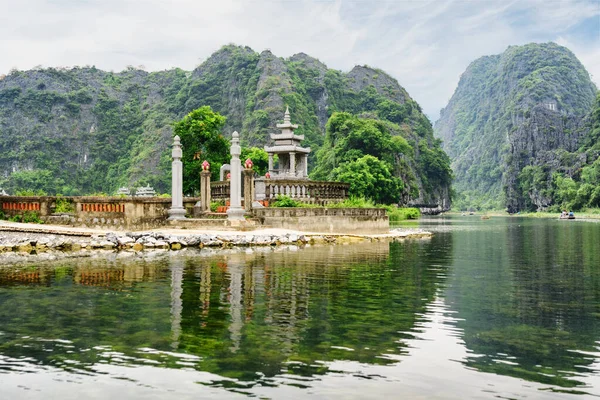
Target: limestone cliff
point(510, 111)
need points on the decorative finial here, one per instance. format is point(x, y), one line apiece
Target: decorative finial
point(205, 166)
point(235, 149)
point(286, 116)
point(248, 163)
point(176, 152)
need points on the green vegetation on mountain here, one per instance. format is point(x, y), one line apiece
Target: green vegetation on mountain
point(382, 161)
point(516, 125)
point(88, 130)
point(575, 185)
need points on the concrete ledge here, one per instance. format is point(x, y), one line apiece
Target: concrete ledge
point(326, 220)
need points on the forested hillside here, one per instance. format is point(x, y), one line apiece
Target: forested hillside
point(83, 130)
point(516, 124)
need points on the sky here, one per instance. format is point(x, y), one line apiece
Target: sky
point(425, 45)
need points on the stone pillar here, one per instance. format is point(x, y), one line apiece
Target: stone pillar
point(248, 189)
point(205, 191)
point(271, 164)
point(306, 165)
point(235, 211)
point(177, 211)
point(292, 163)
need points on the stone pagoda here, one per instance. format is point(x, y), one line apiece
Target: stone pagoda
point(293, 158)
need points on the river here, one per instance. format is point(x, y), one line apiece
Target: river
point(499, 308)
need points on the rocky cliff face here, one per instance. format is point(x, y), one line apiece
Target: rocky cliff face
point(93, 131)
point(511, 111)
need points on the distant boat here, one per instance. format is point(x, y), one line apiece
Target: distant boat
point(485, 217)
point(567, 217)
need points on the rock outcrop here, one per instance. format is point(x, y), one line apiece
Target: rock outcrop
point(521, 108)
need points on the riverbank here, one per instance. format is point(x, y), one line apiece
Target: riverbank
point(587, 214)
point(28, 238)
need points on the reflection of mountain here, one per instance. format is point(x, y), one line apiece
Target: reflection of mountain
point(529, 303)
point(248, 315)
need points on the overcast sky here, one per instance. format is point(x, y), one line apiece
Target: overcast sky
point(426, 45)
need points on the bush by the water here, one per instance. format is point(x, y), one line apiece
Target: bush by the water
point(400, 214)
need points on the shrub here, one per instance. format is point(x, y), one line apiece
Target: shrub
point(285, 201)
point(400, 214)
point(63, 205)
point(354, 202)
point(28, 192)
point(215, 204)
point(27, 217)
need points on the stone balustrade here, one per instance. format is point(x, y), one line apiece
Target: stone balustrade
point(103, 207)
point(314, 192)
point(219, 190)
point(318, 192)
point(117, 212)
point(21, 206)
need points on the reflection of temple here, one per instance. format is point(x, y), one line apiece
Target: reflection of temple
point(293, 158)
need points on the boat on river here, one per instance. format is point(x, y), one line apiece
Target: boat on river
point(567, 216)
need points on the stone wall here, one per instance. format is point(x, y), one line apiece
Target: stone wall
point(326, 220)
point(116, 212)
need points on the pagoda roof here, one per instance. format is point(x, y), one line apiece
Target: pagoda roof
point(287, 149)
point(285, 136)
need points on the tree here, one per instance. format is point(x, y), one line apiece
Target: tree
point(370, 178)
point(34, 182)
point(259, 158)
point(201, 139)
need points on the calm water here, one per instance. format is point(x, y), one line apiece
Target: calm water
point(504, 308)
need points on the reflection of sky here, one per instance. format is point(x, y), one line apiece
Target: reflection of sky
point(432, 368)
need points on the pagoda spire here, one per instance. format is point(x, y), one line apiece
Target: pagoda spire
point(286, 116)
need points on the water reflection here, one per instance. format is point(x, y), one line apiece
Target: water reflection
point(247, 315)
point(510, 298)
point(529, 304)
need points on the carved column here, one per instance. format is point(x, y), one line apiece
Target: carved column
point(205, 195)
point(248, 189)
point(293, 163)
point(177, 211)
point(306, 165)
point(271, 164)
point(235, 212)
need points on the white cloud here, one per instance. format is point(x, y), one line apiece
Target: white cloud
point(426, 45)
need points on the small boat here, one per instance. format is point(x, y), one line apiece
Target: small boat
point(567, 217)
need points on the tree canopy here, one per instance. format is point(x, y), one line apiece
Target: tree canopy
point(201, 139)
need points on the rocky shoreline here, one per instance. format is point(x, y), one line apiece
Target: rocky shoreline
point(29, 242)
